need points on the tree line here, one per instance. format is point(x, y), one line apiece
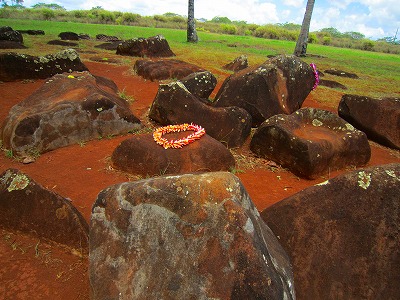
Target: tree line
point(222, 25)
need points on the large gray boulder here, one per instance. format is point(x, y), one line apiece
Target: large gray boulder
point(174, 104)
point(278, 86)
point(184, 237)
point(378, 118)
point(311, 142)
point(14, 66)
point(343, 235)
point(68, 109)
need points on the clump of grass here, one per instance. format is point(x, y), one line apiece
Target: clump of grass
point(122, 94)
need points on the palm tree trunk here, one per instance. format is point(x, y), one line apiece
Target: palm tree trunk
point(301, 45)
point(191, 26)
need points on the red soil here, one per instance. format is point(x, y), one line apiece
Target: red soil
point(47, 271)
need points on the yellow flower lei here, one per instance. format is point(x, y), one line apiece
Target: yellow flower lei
point(198, 133)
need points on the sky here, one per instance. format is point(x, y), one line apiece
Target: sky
point(373, 18)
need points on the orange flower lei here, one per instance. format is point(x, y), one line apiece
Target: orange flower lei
point(198, 133)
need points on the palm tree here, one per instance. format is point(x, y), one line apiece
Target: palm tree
point(191, 26)
point(301, 45)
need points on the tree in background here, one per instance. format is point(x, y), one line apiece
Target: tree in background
point(191, 26)
point(301, 45)
point(13, 3)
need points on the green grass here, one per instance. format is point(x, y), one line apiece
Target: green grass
point(379, 73)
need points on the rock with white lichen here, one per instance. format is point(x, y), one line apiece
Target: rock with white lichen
point(200, 84)
point(278, 86)
point(311, 142)
point(184, 237)
point(15, 66)
point(156, 46)
point(31, 208)
point(343, 235)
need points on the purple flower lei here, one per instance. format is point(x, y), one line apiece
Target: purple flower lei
point(314, 68)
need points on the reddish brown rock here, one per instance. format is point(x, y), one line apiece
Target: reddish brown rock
point(156, 46)
point(141, 155)
point(184, 237)
point(14, 66)
point(378, 118)
point(29, 207)
point(343, 235)
point(311, 142)
point(174, 104)
point(67, 109)
point(278, 86)
point(239, 63)
point(164, 69)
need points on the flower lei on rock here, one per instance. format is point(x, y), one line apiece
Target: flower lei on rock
point(314, 68)
point(176, 144)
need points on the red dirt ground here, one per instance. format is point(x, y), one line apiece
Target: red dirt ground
point(32, 269)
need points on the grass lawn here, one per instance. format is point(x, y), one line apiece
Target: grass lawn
point(379, 73)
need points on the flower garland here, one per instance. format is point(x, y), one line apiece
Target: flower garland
point(314, 68)
point(198, 133)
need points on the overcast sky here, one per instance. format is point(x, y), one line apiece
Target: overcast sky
point(373, 18)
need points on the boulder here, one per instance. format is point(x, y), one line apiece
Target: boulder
point(67, 109)
point(343, 235)
point(341, 73)
point(311, 142)
point(378, 118)
point(14, 66)
point(62, 43)
point(200, 84)
point(112, 46)
point(140, 155)
point(332, 84)
point(8, 34)
point(278, 86)
point(32, 32)
point(164, 69)
point(69, 36)
point(107, 38)
point(184, 237)
point(239, 63)
point(84, 36)
point(29, 207)
point(156, 46)
point(174, 104)
point(11, 45)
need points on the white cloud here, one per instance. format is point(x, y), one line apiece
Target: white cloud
point(374, 18)
point(294, 3)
